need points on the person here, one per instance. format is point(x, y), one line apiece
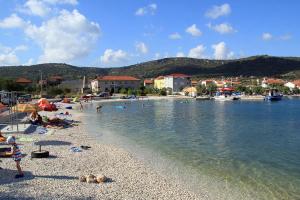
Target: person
point(35, 118)
point(99, 108)
point(2, 138)
point(16, 155)
point(81, 106)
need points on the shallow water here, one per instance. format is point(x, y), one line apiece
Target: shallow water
point(252, 146)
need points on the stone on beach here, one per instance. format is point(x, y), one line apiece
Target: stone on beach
point(90, 179)
point(101, 178)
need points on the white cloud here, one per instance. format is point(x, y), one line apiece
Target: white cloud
point(35, 7)
point(9, 59)
point(223, 28)
point(175, 36)
point(149, 9)
point(221, 52)
point(8, 55)
point(218, 11)
point(180, 54)
point(197, 52)
point(71, 2)
point(141, 47)
point(110, 56)
point(29, 62)
point(65, 37)
point(285, 37)
point(157, 56)
point(193, 30)
point(267, 36)
point(13, 21)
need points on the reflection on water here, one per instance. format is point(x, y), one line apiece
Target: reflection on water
point(253, 146)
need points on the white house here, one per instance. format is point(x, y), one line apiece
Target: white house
point(290, 85)
point(176, 82)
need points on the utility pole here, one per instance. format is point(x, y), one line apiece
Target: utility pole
point(41, 73)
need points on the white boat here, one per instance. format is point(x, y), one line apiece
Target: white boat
point(225, 98)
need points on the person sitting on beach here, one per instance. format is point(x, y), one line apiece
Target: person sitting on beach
point(16, 155)
point(35, 118)
point(2, 138)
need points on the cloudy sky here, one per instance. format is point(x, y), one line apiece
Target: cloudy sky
point(106, 33)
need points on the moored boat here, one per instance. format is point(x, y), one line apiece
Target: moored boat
point(273, 95)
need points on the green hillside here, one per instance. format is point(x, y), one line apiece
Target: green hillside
point(252, 66)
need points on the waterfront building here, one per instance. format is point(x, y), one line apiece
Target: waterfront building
point(159, 82)
point(271, 82)
point(114, 83)
point(148, 82)
point(176, 82)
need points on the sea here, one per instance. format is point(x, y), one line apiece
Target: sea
point(230, 150)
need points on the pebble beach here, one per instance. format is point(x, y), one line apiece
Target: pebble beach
point(57, 177)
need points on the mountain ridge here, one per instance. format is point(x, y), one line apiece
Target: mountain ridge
point(259, 66)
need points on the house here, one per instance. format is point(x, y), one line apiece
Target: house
point(292, 85)
point(271, 82)
point(194, 83)
point(176, 82)
point(55, 80)
point(190, 91)
point(207, 82)
point(148, 82)
point(114, 83)
point(24, 81)
point(159, 82)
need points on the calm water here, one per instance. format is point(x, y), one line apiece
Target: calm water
point(253, 147)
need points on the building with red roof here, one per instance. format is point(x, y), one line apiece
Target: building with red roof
point(114, 83)
point(24, 81)
point(176, 82)
point(148, 82)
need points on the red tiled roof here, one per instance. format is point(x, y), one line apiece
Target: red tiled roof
point(148, 81)
point(118, 78)
point(56, 78)
point(23, 80)
point(160, 77)
point(297, 82)
point(179, 75)
point(275, 81)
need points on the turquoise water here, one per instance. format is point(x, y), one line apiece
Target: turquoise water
point(251, 146)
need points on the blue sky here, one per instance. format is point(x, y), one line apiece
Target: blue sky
point(117, 33)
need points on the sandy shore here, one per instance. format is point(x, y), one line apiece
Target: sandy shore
point(57, 177)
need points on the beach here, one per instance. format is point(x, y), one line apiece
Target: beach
point(57, 177)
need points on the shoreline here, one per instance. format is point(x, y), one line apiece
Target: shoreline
point(57, 177)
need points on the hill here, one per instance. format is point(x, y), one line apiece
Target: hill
point(252, 66)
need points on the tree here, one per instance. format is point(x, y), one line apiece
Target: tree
point(201, 89)
point(123, 91)
point(211, 88)
point(258, 90)
point(163, 92)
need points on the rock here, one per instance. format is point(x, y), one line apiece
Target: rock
point(101, 178)
point(90, 179)
point(82, 179)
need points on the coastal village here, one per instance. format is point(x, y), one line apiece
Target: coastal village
point(172, 84)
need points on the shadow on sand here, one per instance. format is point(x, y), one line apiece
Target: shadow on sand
point(7, 176)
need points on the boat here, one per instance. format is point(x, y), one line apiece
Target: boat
point(226, 94)
point(273, 95)
point(203, 98)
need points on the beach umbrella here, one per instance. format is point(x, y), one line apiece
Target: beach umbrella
point(27, 108)
point(43, 101)
point(2, 106)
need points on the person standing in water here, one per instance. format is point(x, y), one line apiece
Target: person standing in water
point(81, 106)
point(16, 155)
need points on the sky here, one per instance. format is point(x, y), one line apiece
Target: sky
point(113, 33)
